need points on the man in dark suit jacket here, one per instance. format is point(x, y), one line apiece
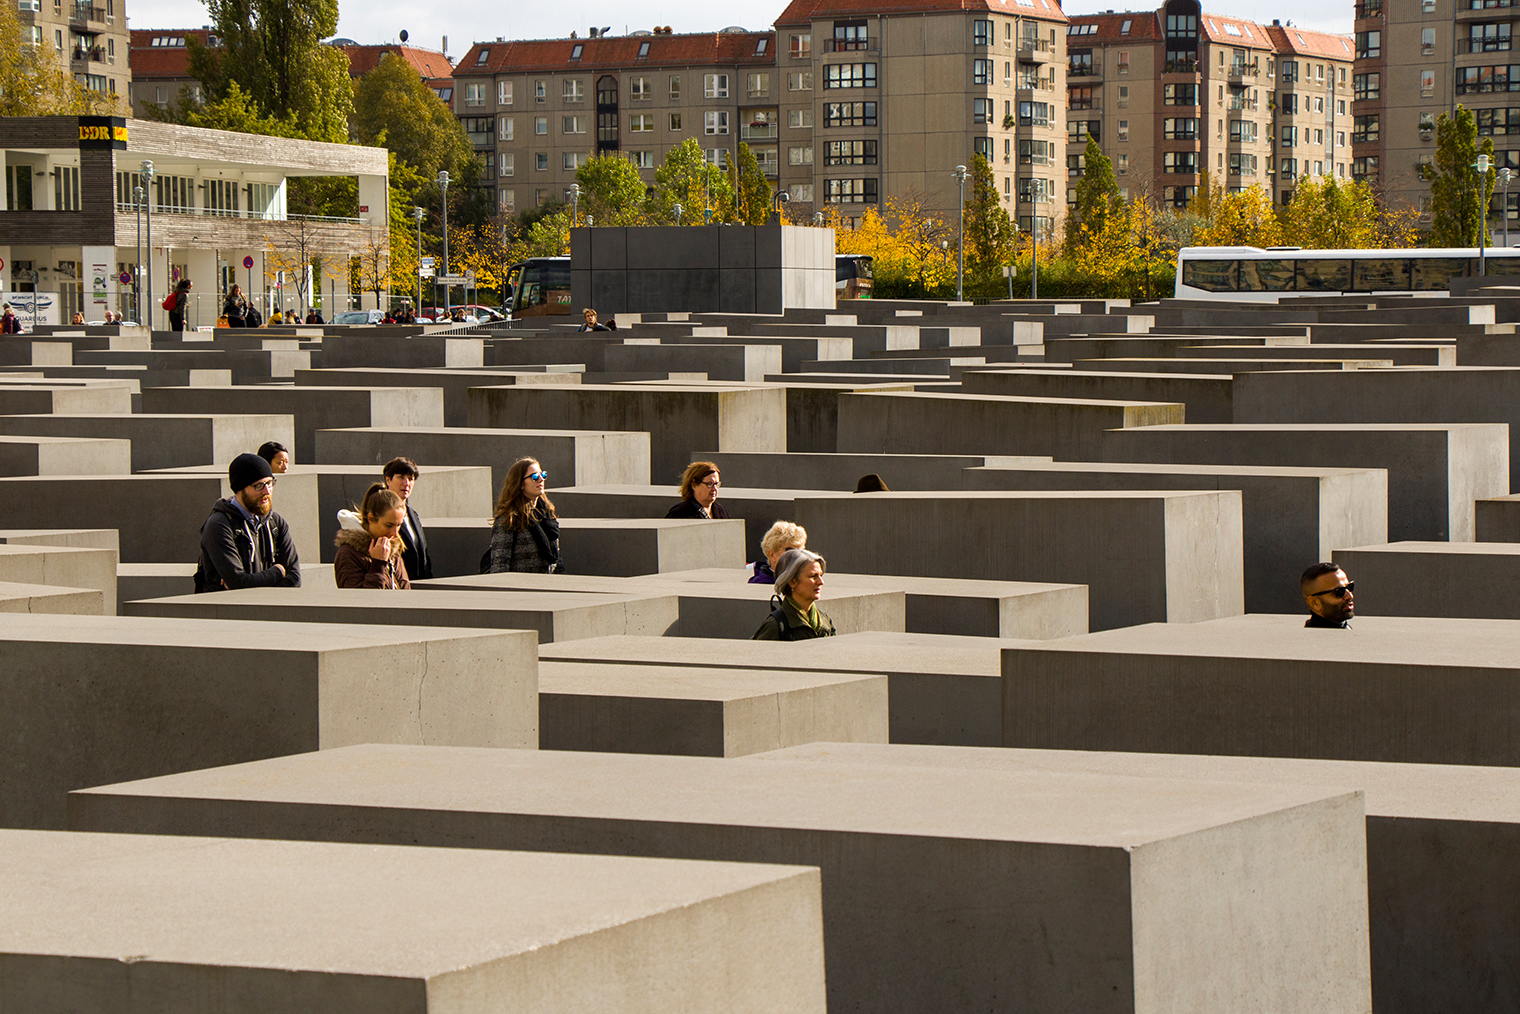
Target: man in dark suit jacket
point(400, 476)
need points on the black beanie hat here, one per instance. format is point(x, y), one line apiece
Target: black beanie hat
point(245, 470)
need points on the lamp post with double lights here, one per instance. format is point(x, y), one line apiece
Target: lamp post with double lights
point(147, 183)
point(443, 194)
point(1482, 166)
point(960, 175)
point(138, 196)
point(575, 203)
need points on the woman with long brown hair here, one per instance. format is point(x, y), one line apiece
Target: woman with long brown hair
point(370, 556)
point(525, 537)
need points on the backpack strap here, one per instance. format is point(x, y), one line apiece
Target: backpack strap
point(778, 613)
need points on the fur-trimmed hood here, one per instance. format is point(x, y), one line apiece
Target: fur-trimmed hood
point(358, 539)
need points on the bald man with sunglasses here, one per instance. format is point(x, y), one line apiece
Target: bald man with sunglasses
point(1331, 598)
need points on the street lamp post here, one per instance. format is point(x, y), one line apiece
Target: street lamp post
point(137, 200)
point(782, 197)
point(1505, 175)
point(1036, 190)
point(147, 182)
point(1482, 167)
point(960, 175)
point(443, 192)
point(417, 217)
point(677, 209)
point(575, 203)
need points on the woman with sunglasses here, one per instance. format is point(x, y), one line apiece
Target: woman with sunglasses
point(525, 537)
point(699, 493)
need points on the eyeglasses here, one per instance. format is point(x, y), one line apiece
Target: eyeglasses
point(1340, 593)
point(536, 476)
point(711, 483)
point(264, 484)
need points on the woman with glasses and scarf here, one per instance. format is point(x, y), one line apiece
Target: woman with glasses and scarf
point(699, 493)
point(525, 538)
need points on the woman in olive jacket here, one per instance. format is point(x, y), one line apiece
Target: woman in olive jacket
point(796, 616)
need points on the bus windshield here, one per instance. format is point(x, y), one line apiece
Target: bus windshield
point(541, 286)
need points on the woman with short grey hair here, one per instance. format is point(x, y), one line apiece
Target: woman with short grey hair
point(795, 615)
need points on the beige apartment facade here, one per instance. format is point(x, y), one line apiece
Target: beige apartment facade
point(1177, 94)
point(90, 40)
point(880, 104)
point(537, 110)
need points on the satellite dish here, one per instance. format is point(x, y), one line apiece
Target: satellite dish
point(404, 35)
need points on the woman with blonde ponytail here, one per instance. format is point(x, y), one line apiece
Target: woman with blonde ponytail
point(370, 556)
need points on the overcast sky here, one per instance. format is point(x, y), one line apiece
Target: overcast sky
point(468, 21)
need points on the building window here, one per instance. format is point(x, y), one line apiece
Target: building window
point(1243, 165)
point(1034, 190)
point(643, 159)
point(1365, 86)
point(715, 86)
point(1364, 129)
point(572, 89)
point(802, 193)
point(716, 156)
point(675, 87)
point(1076, 165)
point(475, 94)
point(1488, 79)
point(850, 36)
point(1427, 83)
point(1123, 63)
point(981, 71)
point(849, 75)
point(1079, 62)
point(507, 164)
point(1079, 131)
point(1369, 45)
point(757, 85)
point(1427, 41)
point(1079, 98)
point(643, 51)
point(1288, 102)
point(573, 124)
point(1124, 130)
point(1497, 121)
point(981, 33)
point(576, 50)
point(1289, 136)
point(982, 146)
point(1179, 94)
point(675, 121)
point(799, 119)
point(981, 110)
point(573, 160)
point(799, 81)
point(1178, 197)
point(1363, 168)
point(1122, 163)
point(1035, 152)
point(504, 128)
point(802, 45)
point(638, 89)
point(856, 114)
point(850, 191)
point(1288, 168)
point(1124, 96)
point(715, 121)
point(508, 199)
point(1242, 132)
point(1184, 129)
point(800, 155)
point(541, 160)
point(479, 129)
point(641, 123)
point(1034, 114)
point(1183, 162)
point(504, 93)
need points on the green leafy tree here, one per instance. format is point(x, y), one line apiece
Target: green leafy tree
point(1456, 200)
point(235, 111)
point(33, 81)
point(274, 50)
point(395, 109)
point(1329, 214)
point(612, 192)
point(685, 177)
point(752, 189)
point(1097, 196)
point(990, 235)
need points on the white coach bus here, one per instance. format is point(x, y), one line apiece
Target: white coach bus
point(1251, 273)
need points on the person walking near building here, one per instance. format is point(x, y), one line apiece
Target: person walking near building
point(525, 537)
point(795, 615)
point(9, 322)
point(244, 543)
point(236, 307)
point(401, 476)
point(370, 556)
point(177, 303)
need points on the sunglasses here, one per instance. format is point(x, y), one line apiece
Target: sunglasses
point(1339, 593)
point(536, 476)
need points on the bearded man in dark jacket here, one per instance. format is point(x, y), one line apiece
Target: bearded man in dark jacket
point(244, 543)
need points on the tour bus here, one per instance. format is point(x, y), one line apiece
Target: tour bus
point(540, 287)
point(1250, 273)
point(852, 276)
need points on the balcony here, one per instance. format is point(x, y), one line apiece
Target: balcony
point(1241, 71)
point(1032, 50)
point(1466, 46)
point(84, 14)
point(1081, 73)
point(82, 56)
point(770, 167)
point(1180, 67)
point(758, 131)
point(1239, 103)
point(1369, 10)
point(851, 45)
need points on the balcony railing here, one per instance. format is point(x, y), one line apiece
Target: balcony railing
point(1082, 69)
point(758, 131)
point(1372, 10)
point(1240, 71)
point(128, 208)
point(1238, 104)
point(770, 167)
point(86, 13)
point(93, 55)
point(1180, 67)
point(1484, 45)
point(850, 45)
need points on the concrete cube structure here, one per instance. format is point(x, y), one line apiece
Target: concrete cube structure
point(1060, 892)
point(297, 499)
point(571, 457)
point(163, 441)
point(40, 398)
point(927, 423)
point(453, 382)
point(312, 408)
point(611, 547)
point(1144, 556)
point(45, 598)
point(64, 456)
point(1497, 519)
point(147, 696)
point(1206, 397)
point(678, 418)
point(62, 567)
point(1453, 579)
point(840, 472)
point(740, 363)
point(1413, 690)
point(133, 924)
point(703, 711)
point(415, 351)
point(1435, 471)
point(1287, 514)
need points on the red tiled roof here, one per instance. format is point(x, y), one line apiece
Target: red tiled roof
point(164, 63)
point(1143, 26)
point(1302, 42)
point(429, 63)
point(801, 12)
point(547, 55)
point(1223, 30)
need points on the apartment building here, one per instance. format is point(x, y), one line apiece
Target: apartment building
point(537, 109)
point(1417, 60)
point(160, 61)
point(89, 39)
point(1177, 93)
point(888, 99)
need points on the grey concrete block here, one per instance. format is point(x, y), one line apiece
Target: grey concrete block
point(44, 598)
point(166, 580)
point(297, 499)
point(146, 696)
point(612, 547)
point(1207, 397)
point(572, 457)
point(740, 363)
point(677, 418)
point(61, 566)
point(1287, 514)
point(72, 399)
point(1443, 843)
point(703, 712)
point(1144, 556)
point(313, 408)
point(921, 423)
point(64, 456)
point(840, 472)
point(164, 441)
point(453, 382)
point(422, 352)
point(1454, 579)
point(1497, 519)
point(553, 617)
point(1065, 892)
point(76, 538)
point(1403, 689)
point(133, 924)
point(1435, 471)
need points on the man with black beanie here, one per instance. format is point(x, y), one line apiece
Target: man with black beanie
point(244, 543)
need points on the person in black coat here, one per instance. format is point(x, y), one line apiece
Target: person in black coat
point(699, 493)
point(244, 543)
point(400, 476)
point(236, 307)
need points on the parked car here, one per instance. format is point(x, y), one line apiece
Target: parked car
point(480, 313)
point(359, 317)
